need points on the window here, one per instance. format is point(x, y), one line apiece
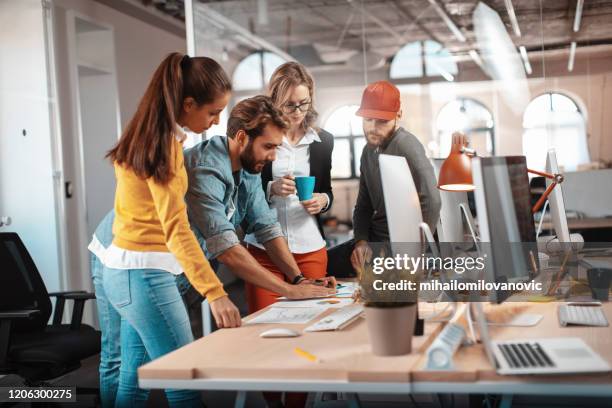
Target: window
point(554, 121)
point(430, 56)
point(253, 72)
point(348, 141)
point(470, 117)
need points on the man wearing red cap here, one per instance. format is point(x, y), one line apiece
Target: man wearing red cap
point(380, 109)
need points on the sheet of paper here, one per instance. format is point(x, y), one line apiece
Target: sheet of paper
point(344, 290)
point(287, 315)
point(324, 303)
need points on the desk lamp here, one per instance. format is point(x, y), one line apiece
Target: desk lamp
point(456, 171)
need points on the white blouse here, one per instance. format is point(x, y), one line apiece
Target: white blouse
point(298, 225)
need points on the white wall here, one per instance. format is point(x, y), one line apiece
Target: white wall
point(139, 49)
point(26, 161)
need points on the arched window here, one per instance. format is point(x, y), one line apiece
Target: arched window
point(554, 121)
point(254, 71)
point(409, 61)
point(348, 141)
point(470, 117)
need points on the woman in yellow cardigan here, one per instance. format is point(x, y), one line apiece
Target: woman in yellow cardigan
point(153, 241)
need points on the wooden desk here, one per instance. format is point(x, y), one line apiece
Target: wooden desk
point(238, 359)
point(240, 354)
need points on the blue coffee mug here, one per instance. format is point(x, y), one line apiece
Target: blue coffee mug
point(305, 187)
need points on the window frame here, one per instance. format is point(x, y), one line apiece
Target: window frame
point(579, 109)
point(470, 129)
point(351, 139)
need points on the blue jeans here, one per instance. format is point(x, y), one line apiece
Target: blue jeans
point(110, 319)
point(154, 322)
point(110, 323)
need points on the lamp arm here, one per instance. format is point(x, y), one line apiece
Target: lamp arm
point(557, 179)
point(541, 173)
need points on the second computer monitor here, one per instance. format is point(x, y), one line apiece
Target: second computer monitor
point(556, 202)
point(507, 230)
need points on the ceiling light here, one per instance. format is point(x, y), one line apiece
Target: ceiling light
point(525, 58)
point(512, 16)
point(570, 63)
point(578, 16)
point(444, 73)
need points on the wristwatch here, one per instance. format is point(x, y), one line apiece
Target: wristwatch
point(298, 279)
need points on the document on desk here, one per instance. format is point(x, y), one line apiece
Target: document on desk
point(287, 315)
point(343, 290)
point(316, 303)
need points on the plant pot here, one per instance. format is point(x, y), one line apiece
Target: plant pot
point(391, 328)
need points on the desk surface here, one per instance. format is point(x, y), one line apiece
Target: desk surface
point(241, 354)
point(239, 359)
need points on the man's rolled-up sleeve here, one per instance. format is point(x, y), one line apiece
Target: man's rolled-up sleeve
point(207, 211)
point(217, 244)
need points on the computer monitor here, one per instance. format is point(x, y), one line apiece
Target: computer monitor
point(555, 200)
point(402, 204)
point(505, 220)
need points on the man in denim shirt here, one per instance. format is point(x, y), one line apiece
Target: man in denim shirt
point(225, 192)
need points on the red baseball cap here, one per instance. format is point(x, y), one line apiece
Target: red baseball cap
point(380, 100)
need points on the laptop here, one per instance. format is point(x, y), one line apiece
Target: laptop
point(560, 355)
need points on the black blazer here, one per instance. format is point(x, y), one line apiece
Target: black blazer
point(320, 167)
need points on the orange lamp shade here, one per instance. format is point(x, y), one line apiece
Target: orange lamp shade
point(456, 171)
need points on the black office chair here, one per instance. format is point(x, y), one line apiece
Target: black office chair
point(29, 346)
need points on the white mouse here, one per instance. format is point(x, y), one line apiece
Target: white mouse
point(279, 332)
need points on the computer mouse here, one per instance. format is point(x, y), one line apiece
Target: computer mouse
point(278, 332)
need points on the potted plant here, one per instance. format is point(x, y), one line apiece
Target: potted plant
point(390, 314)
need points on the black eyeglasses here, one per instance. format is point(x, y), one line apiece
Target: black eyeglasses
point(290, 108)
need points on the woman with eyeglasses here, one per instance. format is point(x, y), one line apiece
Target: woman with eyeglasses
point(305, 151)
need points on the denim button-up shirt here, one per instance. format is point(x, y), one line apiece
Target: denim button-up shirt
point(217, 206)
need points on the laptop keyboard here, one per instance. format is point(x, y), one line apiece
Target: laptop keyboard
point(525, 355)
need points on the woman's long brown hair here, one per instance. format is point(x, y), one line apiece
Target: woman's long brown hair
point(147, 142)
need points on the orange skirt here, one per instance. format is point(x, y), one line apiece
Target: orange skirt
point(313, 265)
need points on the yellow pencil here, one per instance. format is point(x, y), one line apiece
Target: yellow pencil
point(306, 355)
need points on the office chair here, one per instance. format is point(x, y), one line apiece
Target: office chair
point(29, 347)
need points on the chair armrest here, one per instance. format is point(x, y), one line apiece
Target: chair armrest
point(79, 297)
point(76, 295)
point(18, 314)
point(6, 320)
point(65, 293)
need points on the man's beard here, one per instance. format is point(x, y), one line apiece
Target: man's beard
point(248, 162)
point(381, 140)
